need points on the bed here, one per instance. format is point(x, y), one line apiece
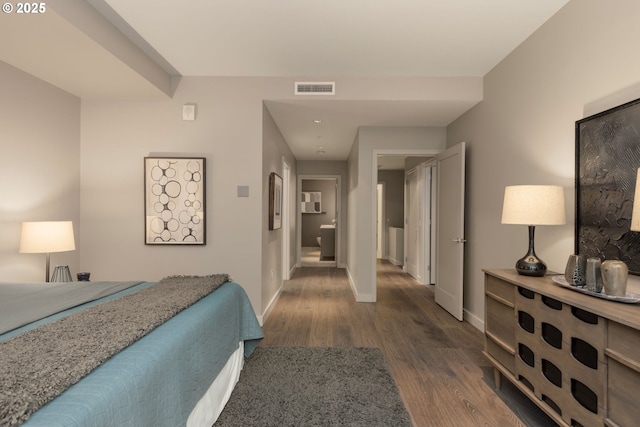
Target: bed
point(180, 373)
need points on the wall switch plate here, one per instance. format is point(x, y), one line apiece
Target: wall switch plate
point(189, 112)
point(243, 191)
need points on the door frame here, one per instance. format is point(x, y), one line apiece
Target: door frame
point(339, 227)
point(411, 223)
point(409, 152)
point(286, 220)
point(426, 239)
point(381, 222)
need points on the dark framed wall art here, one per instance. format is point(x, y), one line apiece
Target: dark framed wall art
point(275, 201)
point(607, 160)
point(174, 200)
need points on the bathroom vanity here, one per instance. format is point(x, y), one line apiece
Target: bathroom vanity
point(327, 242)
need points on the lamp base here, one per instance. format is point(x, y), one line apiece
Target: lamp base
point(531, 265)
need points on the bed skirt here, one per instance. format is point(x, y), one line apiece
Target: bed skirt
point(208, 409)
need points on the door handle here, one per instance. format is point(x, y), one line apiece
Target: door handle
point(458, 240)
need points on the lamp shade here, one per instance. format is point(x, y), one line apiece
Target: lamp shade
point(533, 205)
point(635, 215)
point(47, 236)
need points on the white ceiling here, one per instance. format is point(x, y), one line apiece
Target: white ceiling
point(317, 39)
point(47, 46)
point(400, 38)
point(341, 120)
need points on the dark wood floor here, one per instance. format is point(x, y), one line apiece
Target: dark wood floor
point(435, 360)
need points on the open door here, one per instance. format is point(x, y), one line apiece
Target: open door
point(412, 223)
point(450, 230)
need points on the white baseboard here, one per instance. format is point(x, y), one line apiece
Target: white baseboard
point(474, 320)
point(396, 261)
point(265, 314)
point(351, 282)
point(359, 297)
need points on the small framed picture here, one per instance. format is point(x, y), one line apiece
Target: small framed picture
point(275, 201)
point(174, 206)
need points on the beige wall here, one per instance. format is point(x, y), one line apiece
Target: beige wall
point(580, 62)
point(228, 131)
point(40, 173)
point(274, 150)
point(393, 197)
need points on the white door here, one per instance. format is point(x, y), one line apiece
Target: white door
point(286, 207)
point(380, 222)
point(412, 235)
point(450, 230)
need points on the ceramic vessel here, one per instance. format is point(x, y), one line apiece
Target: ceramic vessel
point(61, 273)
point(593, 275)
point(575, 270)
point(614, 277)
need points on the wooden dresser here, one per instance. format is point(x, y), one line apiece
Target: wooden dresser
point(576, 356)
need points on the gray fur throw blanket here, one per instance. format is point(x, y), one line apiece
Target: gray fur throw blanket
point(38, 365)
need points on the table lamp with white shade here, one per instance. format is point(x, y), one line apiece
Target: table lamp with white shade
point(46, 237)
point(533, 205)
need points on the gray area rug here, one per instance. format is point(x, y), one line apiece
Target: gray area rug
point(315, 386)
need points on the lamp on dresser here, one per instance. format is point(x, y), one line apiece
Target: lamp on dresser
point(46, 237)
point(533, 205)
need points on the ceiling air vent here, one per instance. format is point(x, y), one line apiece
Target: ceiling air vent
point(315, 88)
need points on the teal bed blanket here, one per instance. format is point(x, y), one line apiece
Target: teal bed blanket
point(158, 380)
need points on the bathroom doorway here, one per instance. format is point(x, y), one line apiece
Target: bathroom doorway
point(318, 213)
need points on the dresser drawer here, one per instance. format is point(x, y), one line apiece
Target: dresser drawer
point(500, 288)
point(500, 321)
point(624, 341)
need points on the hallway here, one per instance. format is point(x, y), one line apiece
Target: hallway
point(436, 361)
point(310, 257)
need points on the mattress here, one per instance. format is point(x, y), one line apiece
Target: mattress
point(159, 379)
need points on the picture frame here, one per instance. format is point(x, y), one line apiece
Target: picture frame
point(175, 200)
point(607, 160)
point(275, 201)
point(311, 202)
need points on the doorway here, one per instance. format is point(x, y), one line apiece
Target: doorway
point(407, 223)
point(318, 234)
point(449, 190)
point(416, 159)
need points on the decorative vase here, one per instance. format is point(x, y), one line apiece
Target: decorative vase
point(575, 270)
point(61, 273)
point(593, 275)
point(614, 277)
